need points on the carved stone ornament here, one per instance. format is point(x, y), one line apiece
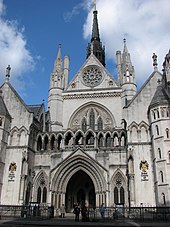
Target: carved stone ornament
point(12, 167)
point(144, 166)
point(92, 76)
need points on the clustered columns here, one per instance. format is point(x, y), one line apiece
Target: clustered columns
point(100, 198)
point(58, 198)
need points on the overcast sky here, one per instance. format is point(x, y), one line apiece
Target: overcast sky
point(31, 30)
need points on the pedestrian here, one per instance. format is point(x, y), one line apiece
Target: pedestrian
point(102, 210)
point(84, 213)
point(76, 211)
point(62, 211)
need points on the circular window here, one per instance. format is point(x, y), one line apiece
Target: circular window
point(92, 76)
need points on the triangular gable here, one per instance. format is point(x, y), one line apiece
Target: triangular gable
point(77, 83)
point(76, 153)
point(159, 76)
point(16, 94)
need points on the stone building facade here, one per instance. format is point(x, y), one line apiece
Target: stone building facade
point(101, 140)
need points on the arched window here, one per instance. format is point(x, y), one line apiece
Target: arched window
point(123, 143)
point(92, 120)
point(39, 195)
point(90, 139)
point(79, 139)
point(69, 139)
point(131, 165)
point(159, 153)
point(0, 121)
point(84, 125)
point(100, 141)
point(52, 142)
point(116, 199)
point(44, 199)
point(59, 142)
point(158, 113)
point(167, 132)
point(100, 124)
point(122, 195)
point(154, 115)
point(161, 176)
point(157, 130)
point(167, 113)
point(116, 141)
point(108, 140)
point(46, 143)
point(162, 112)
point(163, 199)
point(39, 143)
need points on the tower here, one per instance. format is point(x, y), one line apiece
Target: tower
point(126, 75)
point(159, 119)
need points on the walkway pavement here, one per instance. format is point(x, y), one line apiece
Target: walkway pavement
point(69, 221)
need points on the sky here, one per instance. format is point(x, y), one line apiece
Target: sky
point(32, 30)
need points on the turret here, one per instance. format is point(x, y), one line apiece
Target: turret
point(126, 74)
point(55, 100)
point(159, 120)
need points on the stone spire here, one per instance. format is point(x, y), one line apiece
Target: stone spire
point(58, 61)
point(127, 68)
point(95, 46)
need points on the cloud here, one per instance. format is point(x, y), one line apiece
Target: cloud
point(13, 50)
point(144, 23)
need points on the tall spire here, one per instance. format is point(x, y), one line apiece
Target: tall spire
point(58, 61)
point(95, 46)
point(95, 29)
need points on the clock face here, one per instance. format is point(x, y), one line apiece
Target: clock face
point(92, 76)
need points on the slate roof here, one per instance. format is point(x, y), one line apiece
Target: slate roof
point(160, 97)
point(35, 109)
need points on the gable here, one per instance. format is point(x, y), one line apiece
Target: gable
point(19, 111)
point(138, 106)
point(92, 75)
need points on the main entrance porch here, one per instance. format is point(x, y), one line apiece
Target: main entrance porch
point(80, 189)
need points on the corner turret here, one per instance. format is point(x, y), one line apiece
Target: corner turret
point(126, 74)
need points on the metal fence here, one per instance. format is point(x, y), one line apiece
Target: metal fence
point(93, 214)
point(132, 213)
point(7, 211)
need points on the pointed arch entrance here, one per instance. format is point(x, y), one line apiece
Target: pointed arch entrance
point(80, 189)
point(81, 170)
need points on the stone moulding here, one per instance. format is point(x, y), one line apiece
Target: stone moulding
point(94, 95)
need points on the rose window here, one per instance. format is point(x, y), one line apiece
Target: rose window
point(92, 76)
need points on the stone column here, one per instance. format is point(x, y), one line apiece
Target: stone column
point(22, 189)
point(132, 189)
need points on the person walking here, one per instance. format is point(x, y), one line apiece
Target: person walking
point(62, 211)
point(102, 210)
point(76, 212)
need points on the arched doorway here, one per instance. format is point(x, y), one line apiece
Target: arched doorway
point(80, 189)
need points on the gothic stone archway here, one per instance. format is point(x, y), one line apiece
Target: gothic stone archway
point(69, 173)
point(80, 189)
